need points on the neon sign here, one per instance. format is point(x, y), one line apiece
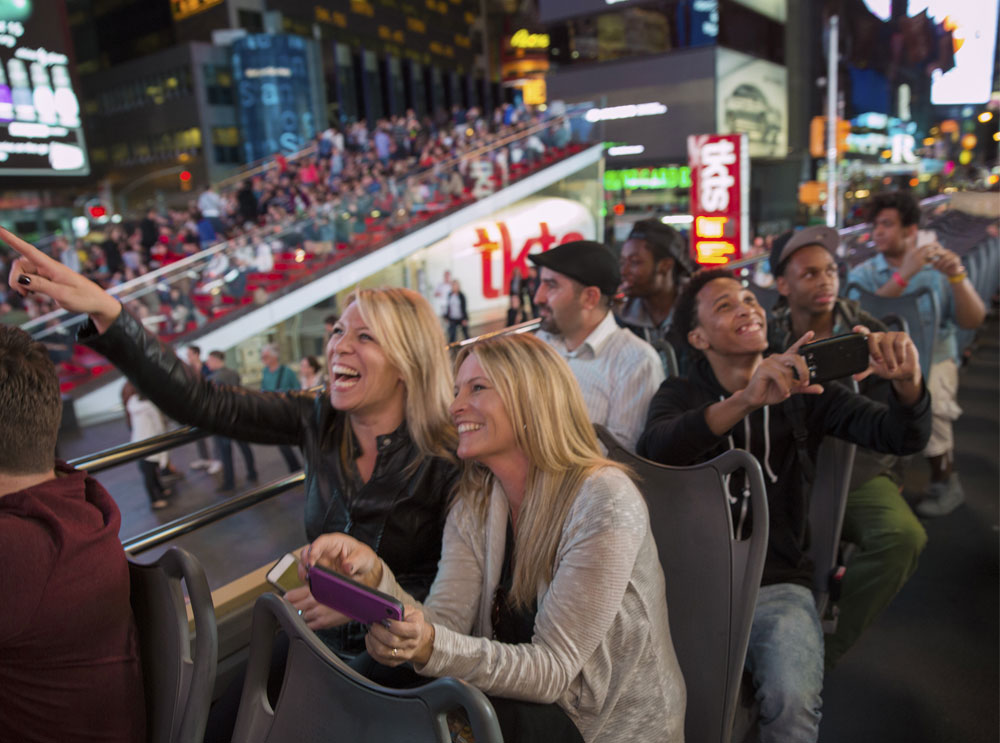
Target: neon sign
point(720, 203)
point(647, 179)
point(524, 39)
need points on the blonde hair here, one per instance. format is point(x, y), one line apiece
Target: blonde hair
point(552, 427)
point(410, 335)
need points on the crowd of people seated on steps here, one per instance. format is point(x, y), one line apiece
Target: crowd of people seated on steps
point(350, 190)
point(494, 464)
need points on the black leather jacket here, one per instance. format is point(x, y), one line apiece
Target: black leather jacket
point(400, 512)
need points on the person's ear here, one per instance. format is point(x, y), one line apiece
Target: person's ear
point(697, 339)
point(590, 297)
point(664, 266)
point(781, 284)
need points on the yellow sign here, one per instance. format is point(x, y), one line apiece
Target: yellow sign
point(182, 9)
point(524, 39)
point(363, 7)
point(534, 92)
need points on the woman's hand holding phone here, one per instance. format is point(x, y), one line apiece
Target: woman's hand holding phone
point(347, 556)
point(408, 641)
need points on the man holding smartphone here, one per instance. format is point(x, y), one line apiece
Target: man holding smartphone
point(908, 260)
point(888, 536)
point(734, 397)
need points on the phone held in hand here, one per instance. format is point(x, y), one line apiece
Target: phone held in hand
point(285, 574)
point(926, 237)
point(836, 358)
point(352, 599)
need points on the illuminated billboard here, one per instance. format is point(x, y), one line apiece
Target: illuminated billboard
point(40, 128)
point(720, 197)
point(277, 108)
point(973, 25)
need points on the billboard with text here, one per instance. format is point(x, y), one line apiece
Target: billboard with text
point(40, 128)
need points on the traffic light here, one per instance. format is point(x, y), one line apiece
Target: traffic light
point(817, 136)
point(185, 178)
point(96, 212)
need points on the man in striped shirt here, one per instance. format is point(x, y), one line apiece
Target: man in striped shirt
point(618, 372)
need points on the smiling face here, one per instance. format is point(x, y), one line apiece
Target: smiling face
point(810, 280)
point(485, 432)
point(729, 319)
point(362, 379)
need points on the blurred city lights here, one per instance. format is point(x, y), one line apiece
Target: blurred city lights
point(985, 116)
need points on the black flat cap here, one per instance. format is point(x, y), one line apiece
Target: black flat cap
point(585, 261)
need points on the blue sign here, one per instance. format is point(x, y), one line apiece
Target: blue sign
point(275, 101)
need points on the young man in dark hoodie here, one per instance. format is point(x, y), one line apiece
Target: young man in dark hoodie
point(69, 655)
point(735, 397)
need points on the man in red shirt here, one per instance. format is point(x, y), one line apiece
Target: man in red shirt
point(69, 653)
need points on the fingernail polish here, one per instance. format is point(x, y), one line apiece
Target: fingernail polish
point(24, 280)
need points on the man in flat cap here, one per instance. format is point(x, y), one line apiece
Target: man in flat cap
point(654, 264)
point(618, 372)
point(888, 536)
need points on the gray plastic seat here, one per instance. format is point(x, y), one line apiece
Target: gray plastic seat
point(178, 685)
point(827, 504)
point(920, 309)
point(323, 699)
point(668, 357)
point(712, 579)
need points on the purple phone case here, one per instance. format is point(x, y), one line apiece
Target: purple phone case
point(359, 602)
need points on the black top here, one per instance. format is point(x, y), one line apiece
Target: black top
point(677, 434)
point(400, 512)
point(511, 624)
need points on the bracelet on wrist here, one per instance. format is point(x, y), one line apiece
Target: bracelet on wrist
point(958, 278)
point(903, 283)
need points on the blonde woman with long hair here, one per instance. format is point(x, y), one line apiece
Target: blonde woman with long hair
point(549, 595)
point(378, 442)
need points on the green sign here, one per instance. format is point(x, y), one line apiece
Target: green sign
point(633, 179)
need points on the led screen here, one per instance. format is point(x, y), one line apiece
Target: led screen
point(275, 101)
point(973, 24)
point(40, 128)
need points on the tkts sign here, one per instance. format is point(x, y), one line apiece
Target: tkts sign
point(497, 238)
point(720, 200)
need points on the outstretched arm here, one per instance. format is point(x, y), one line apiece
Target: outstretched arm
point(153, 367)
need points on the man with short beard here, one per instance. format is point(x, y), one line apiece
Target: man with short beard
point(618, 373)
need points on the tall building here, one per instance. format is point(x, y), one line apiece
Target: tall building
point(169, 86)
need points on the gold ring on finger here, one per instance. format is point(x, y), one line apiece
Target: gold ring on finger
point(394, 651)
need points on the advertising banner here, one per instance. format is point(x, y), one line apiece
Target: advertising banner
point(720, 197)
point(40, 128)
point(276, 108)
point(751, 97)
point(483, 255)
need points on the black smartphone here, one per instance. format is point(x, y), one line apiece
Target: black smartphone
point(836, 358)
